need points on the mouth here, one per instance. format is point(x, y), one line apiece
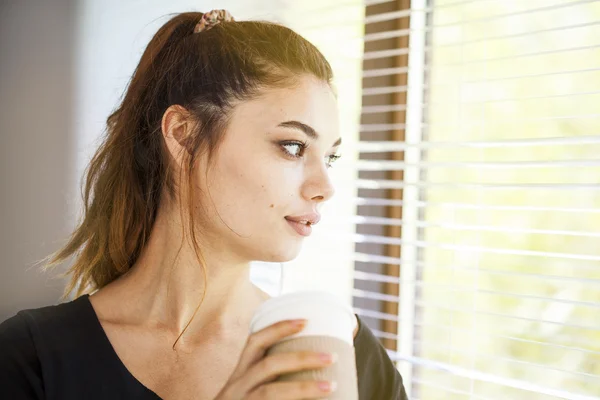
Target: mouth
point(303, 224)
point(303, 228)
point(302, 221)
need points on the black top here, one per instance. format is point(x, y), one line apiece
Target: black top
point(61, 353)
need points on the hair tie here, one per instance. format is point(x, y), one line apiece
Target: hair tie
point(211, 19)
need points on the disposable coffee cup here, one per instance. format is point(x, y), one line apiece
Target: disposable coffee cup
point(329, 329)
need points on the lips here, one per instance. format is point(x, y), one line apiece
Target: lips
point(306, 219)
point(302, 224)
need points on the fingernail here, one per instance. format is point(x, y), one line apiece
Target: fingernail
point(299, 322)
point(328, 358)
point(327, 386)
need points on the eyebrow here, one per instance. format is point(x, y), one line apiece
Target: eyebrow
point(308, 130)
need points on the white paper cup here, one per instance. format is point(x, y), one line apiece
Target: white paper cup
point(330, 326)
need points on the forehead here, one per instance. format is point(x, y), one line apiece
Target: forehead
point(310, 101)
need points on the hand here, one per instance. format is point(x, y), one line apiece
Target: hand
point(254, 376)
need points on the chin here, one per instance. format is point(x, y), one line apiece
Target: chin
point(283, 253)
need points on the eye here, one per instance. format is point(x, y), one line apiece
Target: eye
point(331, 159)
point(296, 150)
point(299, 147)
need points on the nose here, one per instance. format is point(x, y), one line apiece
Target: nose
point(318, 187)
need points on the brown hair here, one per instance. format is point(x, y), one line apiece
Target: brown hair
point(205, 73)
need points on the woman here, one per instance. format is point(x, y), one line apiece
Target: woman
point(217, 156)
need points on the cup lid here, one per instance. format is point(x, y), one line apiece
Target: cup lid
point(296, 301)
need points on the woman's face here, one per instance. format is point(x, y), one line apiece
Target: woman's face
point(271, 167)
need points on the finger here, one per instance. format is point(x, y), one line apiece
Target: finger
point(273, 366)
point(293, 390)
point(258, 343)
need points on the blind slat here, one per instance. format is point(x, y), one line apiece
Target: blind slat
point(372, 201)
point(384, 335)
point(366, 313)
point(405, 32)
point(405, 13)
point(380, 109)
point(384, 165)
point(376, 258)
point(572, 269)
point(466, 289)
point(373, 55)
point(429, 67)
point(387, 16)
point(375, 314)
point(486, 377)
point(375, 184)
point(444, 388)
point(583, 376)
point(424, 305)
point(533, 75)
point(370, 73)
point(358, 238)
point(386, 146)
point(477, 122)
point(365, 220)
point(369, 276)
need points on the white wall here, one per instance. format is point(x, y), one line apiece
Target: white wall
point(36, 145)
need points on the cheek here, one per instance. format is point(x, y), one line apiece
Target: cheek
point(279, 189)
point(241, 189)
point(266, 186)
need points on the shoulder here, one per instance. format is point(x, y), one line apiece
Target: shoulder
point(378, 376)
point(27, 328)
point(20, 371)
point(30, 344)
point(45, 324)
point(20, 331)
point(54, 315)
point(15, 338)
point(364, 339)
point(21, 375)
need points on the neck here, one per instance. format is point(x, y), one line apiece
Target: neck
point(164, 289)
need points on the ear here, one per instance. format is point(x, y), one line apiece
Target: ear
point(176, 127)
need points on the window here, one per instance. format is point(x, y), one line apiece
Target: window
point(477, 256)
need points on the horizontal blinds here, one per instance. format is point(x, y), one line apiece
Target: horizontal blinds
point(522, 388)
point(477, 255)
point(455, 226)
point(382, 147)
point(362, 201)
